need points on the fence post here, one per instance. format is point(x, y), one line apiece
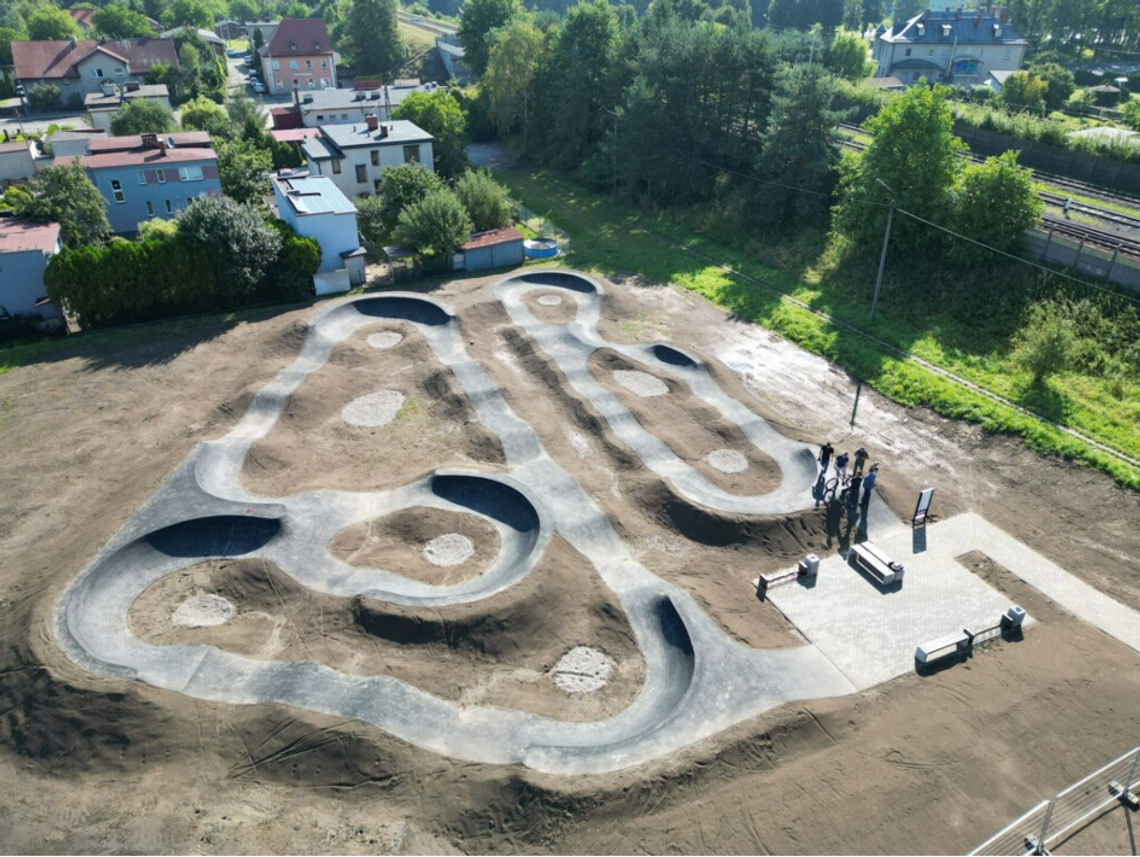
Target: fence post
point(1080, 249)
point(1131, 778)
point(1112, 264)
point(1048, 244)
point(1041, 849)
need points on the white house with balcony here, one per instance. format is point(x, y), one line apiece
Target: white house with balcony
point(950, 46)
point(354, 157)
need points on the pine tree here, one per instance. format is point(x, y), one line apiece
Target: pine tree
point(376, 47)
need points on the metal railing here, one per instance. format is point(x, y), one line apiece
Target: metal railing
point(1052, 819)
point(542, 227)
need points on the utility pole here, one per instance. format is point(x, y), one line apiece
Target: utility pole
point(883, 256)
point(614, 155)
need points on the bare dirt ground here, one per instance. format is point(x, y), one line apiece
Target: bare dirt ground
point(928, 764)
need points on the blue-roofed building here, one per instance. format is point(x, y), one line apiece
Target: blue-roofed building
point(315, 207)
point(949, 46)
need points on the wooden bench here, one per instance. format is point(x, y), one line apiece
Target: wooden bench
point(877, 563)
point(943, 646)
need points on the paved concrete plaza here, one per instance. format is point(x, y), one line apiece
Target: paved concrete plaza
point(869, 632)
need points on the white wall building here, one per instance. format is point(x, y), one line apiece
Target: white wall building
point(955, 47)
point(355, 156)
point(316, 208)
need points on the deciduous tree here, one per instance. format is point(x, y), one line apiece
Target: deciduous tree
point(65, 195)
point(481, 18)
point(995, 203)
point(509, 79)
point(236, 238)
point(142, 116)
point(488, 203)
point(119, 21)
point(243, 170)
point(436, 227)
point(440, 115)
point(51, 22)
point(375, 37)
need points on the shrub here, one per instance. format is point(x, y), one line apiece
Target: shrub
point(235, 239)
point(45, 96)
point(290, 277)
point(487, 202)
point(142, 116)
point(435, 226)
point(1046, 343)
point(157, 229)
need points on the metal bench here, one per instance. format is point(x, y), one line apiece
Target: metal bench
point(877, 564)
point(942, 646)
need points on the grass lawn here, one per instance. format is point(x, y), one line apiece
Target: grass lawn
point(611, 238)
point(415, 38)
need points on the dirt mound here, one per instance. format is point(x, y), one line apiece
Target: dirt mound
point(691, 428)
point(310, 447)
point(499, 651)
point(397, 543)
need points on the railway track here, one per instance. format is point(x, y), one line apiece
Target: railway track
point(431, 26)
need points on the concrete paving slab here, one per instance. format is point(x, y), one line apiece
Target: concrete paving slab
point(871, 632)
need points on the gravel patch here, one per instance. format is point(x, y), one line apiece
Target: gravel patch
point(728, 461)
point(449, 549)
point(549, 300)
point(385, 339)
point(641, 383)
point(582, 670)
point(375, 409)
point(203, 611)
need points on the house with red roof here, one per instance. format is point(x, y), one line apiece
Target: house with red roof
point(152, 175)
point(25, 249)
point(299, 56)
point(80, 67)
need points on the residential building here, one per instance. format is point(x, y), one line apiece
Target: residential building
point(84, 17)
point(155, 175)
point(299, 56)
point(951, 46)
point(267, 28)
point(208, 36)
point(25, 249)
point(104, 105)
point(343, 106)
point(496, 248)
point(17, 161)
point(355, 156)
point(79, 67)
point(229, 30)
point(75, 143)
point(886, 84)
point(316, 208)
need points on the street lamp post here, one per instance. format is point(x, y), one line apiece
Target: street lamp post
point(886, 243)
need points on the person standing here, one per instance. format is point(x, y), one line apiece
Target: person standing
point(869, 484)
point(841, 466)
point(825, 453)
point(860, 460)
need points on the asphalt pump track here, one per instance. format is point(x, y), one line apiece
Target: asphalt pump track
point(698, 680)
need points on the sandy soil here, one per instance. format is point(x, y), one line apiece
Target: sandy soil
point(311, 446)
point(398, 541)
point(922, 764)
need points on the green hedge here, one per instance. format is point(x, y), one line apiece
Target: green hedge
point(126, 282)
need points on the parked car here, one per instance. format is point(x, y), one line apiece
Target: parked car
point(234, 53)
point(258, 86)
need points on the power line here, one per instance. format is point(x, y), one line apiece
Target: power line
point(1019, 258)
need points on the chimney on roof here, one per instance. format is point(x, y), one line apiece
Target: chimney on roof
point(150, 141)
point(132, 86)
point(373, 122)
point(162, 148)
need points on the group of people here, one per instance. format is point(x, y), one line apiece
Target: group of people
point(855, 481)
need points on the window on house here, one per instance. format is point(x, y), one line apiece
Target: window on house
point(312, 83)
point(162, 176)
point(118, 72)
point(97, 72)
point(946, 31)
point(344, 116)
point(1005, 55)
point(930, 52)
point(375, 157)
point(411, 154)
point(324, 63)
point(277, 83)
point(292, 46)
point(320, 117)
point(150, 208)
point(293, 65)
point(190, 174)
point(324, 81)
point(117, 189)
point(169, 207)
point(922, 29)
point(142, 176)
point(308, 63)
point(336, 168)
point(907, 52)
point(316, 46)
point(296, 83)
point(376, 186)
point(361, 173)
point(277, 65)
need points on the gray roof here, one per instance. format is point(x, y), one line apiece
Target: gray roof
point(149, 90)
point(338, 99)
point(354, 136)
point(968, 28)
point(315, 195)
point(206, 35)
